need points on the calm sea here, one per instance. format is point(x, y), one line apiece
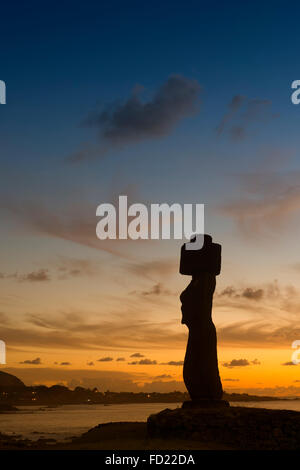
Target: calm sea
point(66, 421)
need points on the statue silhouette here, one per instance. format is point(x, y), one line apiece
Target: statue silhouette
point(200, 370)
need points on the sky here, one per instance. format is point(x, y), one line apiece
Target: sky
point(177, 102)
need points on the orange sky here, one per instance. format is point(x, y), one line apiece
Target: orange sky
point(63, 316)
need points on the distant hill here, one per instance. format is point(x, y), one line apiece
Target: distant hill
point(10, 383)
point(16, 392)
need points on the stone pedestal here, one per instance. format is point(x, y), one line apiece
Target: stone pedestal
point(204, 404)
point(236, 427)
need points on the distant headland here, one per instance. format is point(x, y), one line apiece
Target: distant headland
point(14, 392)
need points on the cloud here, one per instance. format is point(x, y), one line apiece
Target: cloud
point(254, 333)
point(77, 331)
point(245, 112)
point(267, 202)
point(105, 359)
point(137, 355)
point(78, 226)
point(120, 359)
point(90, 363)
point(289, 363)
point(278, 303)
point(248, 293)
point(4, 319)
point(118, 381)
point(230, 380)
point(233, 107)
point(134, 120)
point(256, 362)
point(65, 364)
point(36, 361)
point(237, 133)
point(228, 291)
point(34, 276)
point(172, 363)
point(257, 109)
point(75, 267)
point(255, 294)
point(153, 269)
point(163, 376)
point(74, 220)
point(277, 391)
point(273, 323)
point(66, 268)
point(163, 386)
point(240, 363)
point(143, 362)
point(157, 289)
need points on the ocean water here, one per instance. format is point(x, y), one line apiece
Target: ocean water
point(64, 422)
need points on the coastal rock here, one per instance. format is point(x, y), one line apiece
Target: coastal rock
point(238, 427)
point(10, 383)
point(7, 408)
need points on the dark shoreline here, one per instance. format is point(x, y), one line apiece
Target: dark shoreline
point(10, 402)
point(233, 428)
point(10, 407)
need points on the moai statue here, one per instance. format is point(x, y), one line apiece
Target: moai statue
point(200, 370)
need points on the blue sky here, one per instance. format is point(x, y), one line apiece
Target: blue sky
point(59, 62)
point(237, 151)
point(62, 62)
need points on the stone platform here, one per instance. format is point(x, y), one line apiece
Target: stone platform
point(196, 404)
point(237, 427)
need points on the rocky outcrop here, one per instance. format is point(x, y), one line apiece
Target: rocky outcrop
point(10, 383)
point(237, 427)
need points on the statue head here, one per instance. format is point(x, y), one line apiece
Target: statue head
point(207, 259)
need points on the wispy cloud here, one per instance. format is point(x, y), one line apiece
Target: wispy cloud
point(172, 363)
point(153, 269)
point(240, 363)
point(233, 107)
point(77, 331)
point(36, 361)
point(230, 380)
point(268, 201)
point(105, 359)
point(64, 268)
point(132, 121)
point(39, 275)
point(75, 267)
point(248, 293)
point(241, 113)
point(255, 333)
point(163, 376)
point(143, 362)
point(78, 226)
